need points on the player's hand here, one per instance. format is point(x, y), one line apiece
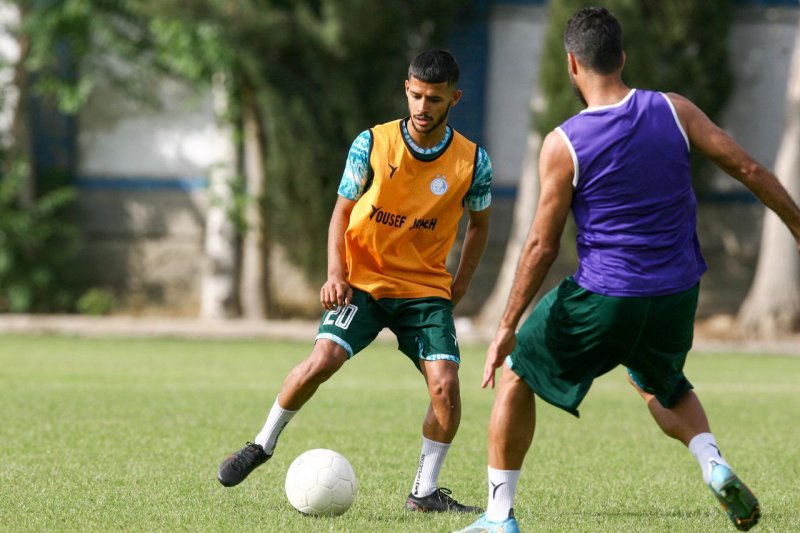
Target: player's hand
point(503, 344)
point(335, 293)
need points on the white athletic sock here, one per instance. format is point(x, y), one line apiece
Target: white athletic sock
point(502, 486)
point(705, 450)
point(430, 463)
point(277, 419)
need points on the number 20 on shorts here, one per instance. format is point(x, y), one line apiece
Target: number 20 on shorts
point(341, 317)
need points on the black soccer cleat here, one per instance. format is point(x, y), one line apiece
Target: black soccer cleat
point(439, 501)
point(236, 467)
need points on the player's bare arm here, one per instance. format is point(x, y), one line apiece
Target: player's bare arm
point(336, 291)
point(541, 248)
point(718, 146)
point(474, 244)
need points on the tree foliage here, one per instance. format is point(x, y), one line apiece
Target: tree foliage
point(38, 249)
point(321, 71)
point(678, 46)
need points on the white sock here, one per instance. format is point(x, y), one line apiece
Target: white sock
point(430, 463)
point(502, 486)
point(705, 450)
point(277, 419)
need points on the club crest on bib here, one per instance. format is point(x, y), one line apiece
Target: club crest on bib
point(438, 185)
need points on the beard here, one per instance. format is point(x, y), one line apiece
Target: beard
point(434, 124)
point(577, 91)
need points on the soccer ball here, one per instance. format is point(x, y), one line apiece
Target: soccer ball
point(321, 482)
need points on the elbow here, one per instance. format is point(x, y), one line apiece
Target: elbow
point(549, 253)
point(543, 251)
point(748, 174)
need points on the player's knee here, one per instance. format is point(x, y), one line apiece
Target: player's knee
point(322, 364)
point(444, 387)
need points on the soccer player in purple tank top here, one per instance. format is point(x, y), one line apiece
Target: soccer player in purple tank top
point(622, 166)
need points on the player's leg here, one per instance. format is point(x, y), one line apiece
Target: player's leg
point(444, 411)
point(686, 421)
point(683, 420)
point(656, 372)
point(298, 387)
point(427, 335)
point(342, 333)
point(561, 347)
point(304, 379)
point(511, 428)
point(439, 427)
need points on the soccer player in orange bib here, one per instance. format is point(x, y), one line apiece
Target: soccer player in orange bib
point(403, 192)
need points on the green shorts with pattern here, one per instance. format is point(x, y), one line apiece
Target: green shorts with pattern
point(575, 335)
point(423, 326)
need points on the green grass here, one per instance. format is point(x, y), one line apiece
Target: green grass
point(126, 434)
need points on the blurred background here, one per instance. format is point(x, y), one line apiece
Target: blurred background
point(181, 159)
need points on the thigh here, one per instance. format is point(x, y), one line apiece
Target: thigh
point(657, 364)
point(573, 336)
point(425, 330)
point(353, 326)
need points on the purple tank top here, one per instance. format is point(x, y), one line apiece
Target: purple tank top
point(633, 203)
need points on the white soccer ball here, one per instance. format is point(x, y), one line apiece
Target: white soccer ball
point(321, 482)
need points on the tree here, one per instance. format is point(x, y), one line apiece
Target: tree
point(303, 77)
point(672, 46)
point(306, 77)
point(524, 210)
point(772, 306)
point(39, 239)
point(219, 288)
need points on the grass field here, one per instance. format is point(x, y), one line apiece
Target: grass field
point(109, 435)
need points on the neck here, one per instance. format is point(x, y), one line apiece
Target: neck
point(604, 90)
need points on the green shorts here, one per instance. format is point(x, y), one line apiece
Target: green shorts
point(574, 336)
point(423, 326)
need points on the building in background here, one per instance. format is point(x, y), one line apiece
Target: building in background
point(142, 174)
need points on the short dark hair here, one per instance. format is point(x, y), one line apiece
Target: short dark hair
point(594, 36)
point(434, 66)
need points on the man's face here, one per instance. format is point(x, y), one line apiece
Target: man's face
point(429, 104)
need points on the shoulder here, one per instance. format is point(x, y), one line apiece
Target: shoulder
point(555, 143)
point(483, 166)
point(689, 115)
point(557, 154)
point(361, 145)
point(482, 158)
point(684, 107)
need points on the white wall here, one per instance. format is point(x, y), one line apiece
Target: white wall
point(120, 137)
point(516, 39)
point(9, 54)
point(142, 175)
point(761, 44)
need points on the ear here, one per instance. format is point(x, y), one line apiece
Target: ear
point(406, 86)
point(622, 64)
point(456, 97)
point(572, 63)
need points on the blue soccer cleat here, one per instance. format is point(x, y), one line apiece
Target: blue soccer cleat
point(484, 525)
point(738, 501)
